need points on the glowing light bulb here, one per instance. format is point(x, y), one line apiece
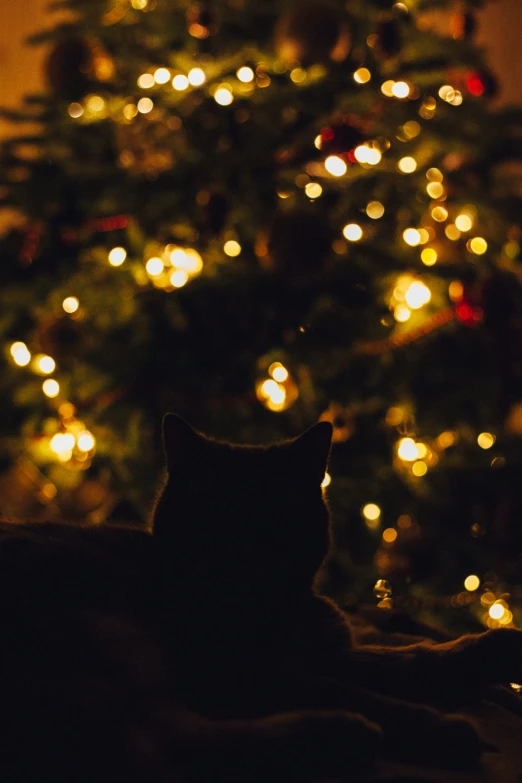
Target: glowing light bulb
point(335, 166)
point(145, 105)
point(146, 81)
point(452, 232)
point(440, 214)
point(179, 278)
point(496, 611)
point(95, 103)
point(161, 75)
point(362, 75)
point(278, 372)
point(75, 110)
point(130, 110)
point(477, 245)
point(85, 441)
point(154, 266)
point(435, 189)
point(400, 89)
point(352, 232)
point(45, 364)
point(245, 74)
point(326, 481)
point(412, 237)
point(417, 295)
point(180, 82)
point(51, 388)
point(464, 223)
point(407, 165)
point(117, 256)
point(223, 96)
point(472, 583)
point(298, 75)
point(20, 353)
point(371, 511)
point(486, 440)
point(196, 77)
point(407, 450)
point(232, 248)
point(70, 304)
point(419, 469)
point(402, 313)
point(387, 88)
point(313, 190)
point(389, 535)
point(62, 443)
point(434, 175)
point(429, 256)
point(447, 93)
point(375, 210)
point(364, 153)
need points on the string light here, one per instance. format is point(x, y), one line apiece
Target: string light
point(387, 88)
point(85, 441)
point(400, 90)
point(44, 364)
point(75, 110)
point(419, 469)
point(70, 304)
point(407, 165)
point(362, 75)
point(51, 388)
point(434, 175)
point(245, 74)
point(196, 77)
point(402, 313)
point(452, 232)
point(162, 75)
point(352, 232)
point(371, 511)
point(429, 256)
point(335, 166)
point(117, 256)
point(95, 103)
point(20, 353)
point(278, 372)
point(375, 210)
point(365, 153)
point(472, 583)
point(477, 245)
point(298, 75)
point(440, 214)
point(145, 105)
point(407, 450)
point(486, 440)
point(130, 110)
point(223, 96)
point(180, 82)
point(464, 223)
point(232, 248)
point(313, 190)
point(154, 266)
point(435, 190)
point(146, 81)
point(417, 295)
point(139, 5)
point(62, 443)
point(412, 237)
point(179, 278)
point(389, 535)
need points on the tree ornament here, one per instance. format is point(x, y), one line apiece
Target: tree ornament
point(299, 242)
point(77, 65)
point(341, 137)
point(469, 305)
point(313, 32)
point(389, 41)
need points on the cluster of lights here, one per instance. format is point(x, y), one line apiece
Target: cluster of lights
point(450, 95)
point(175, 267)
point(408, 295)
point(41, 364)
point(76, 442)
point(393, 89)
point(417, 455)
point(367, 153)
point(498, 613)
point(277, 392)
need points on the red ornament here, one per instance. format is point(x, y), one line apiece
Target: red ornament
point(468, 307)
point(475, 84)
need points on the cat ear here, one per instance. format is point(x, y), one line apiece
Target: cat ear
point(313, 448)
point(179, 439)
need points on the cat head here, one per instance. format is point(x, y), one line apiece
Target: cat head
point(247, 513)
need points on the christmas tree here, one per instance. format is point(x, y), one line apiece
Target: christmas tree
point(258, 215)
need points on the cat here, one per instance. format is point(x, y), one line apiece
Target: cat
point(199, 649)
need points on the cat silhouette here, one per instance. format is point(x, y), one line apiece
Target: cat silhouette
point(199, 649)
